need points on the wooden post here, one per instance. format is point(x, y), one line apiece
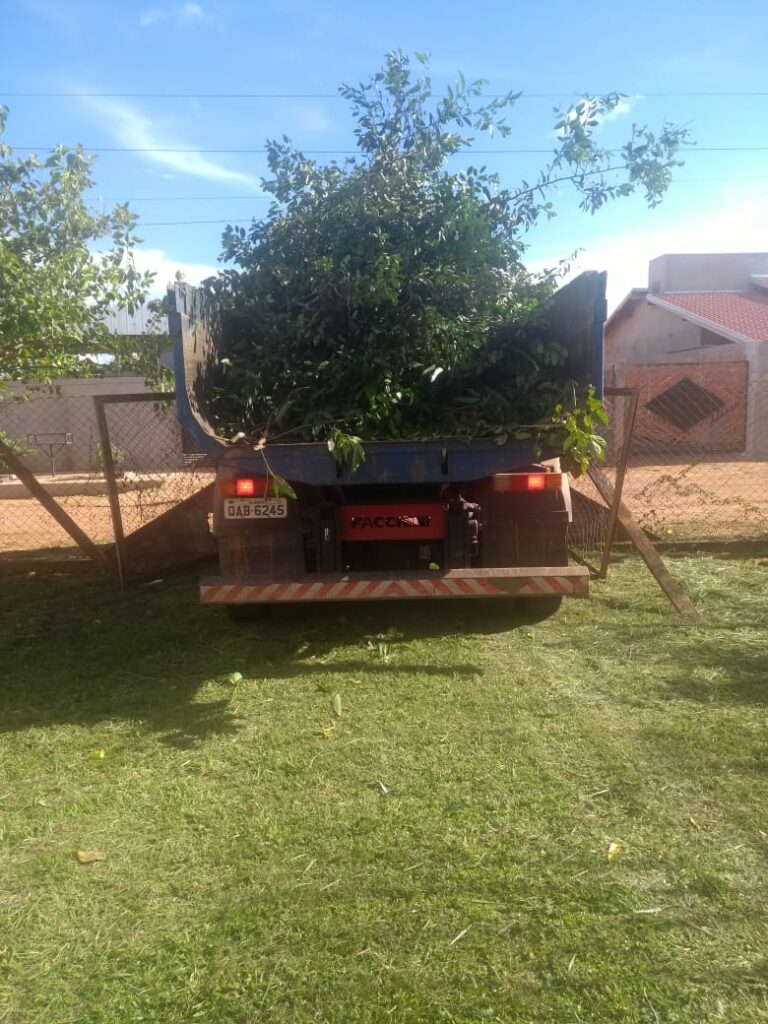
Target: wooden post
point(111, 478)
point(674, 592)
point(110, 475)
point(28, 478)
point(621, 469)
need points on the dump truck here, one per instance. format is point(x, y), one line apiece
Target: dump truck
point(449, 518)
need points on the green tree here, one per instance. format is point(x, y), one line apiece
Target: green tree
point(386, 296)
point(56, 282)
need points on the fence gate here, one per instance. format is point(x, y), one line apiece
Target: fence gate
point(159, 491)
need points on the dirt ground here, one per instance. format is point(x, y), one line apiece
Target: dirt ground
point(697, 501)
point(26, 526)
point(680, 500)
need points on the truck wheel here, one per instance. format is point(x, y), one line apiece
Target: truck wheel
point(536, 609)
point(247, 612)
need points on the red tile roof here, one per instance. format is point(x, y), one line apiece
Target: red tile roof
point(744, 313)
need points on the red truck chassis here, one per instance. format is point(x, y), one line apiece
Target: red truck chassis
point(504, 536)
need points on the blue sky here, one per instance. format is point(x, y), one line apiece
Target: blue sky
point(663, 58)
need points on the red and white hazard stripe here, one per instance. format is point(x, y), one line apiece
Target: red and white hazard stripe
point(570, 582)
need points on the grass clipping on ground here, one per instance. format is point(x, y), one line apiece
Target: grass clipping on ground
point(403, 813)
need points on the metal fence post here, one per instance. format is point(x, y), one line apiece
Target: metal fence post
point(628, 427)
point(111, 478)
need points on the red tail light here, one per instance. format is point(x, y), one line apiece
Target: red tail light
point(505, 482)
point(245, 487)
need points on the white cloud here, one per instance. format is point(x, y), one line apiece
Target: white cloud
point(736, 226)
point(623, 108)
point(133, 130)
point(154, 14)
point(185, 13)
point(164, 268)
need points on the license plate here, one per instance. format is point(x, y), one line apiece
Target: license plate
point(255, 508)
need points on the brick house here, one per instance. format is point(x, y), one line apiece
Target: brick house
point(695, 342)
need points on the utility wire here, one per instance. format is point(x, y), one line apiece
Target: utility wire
point(182, 223)
point(241, 219)
point(354, 152)
point(175, 199)
point(261, 150)
point(336, 96)
point(226, 198)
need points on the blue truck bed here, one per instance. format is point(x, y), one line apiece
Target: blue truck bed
point(578, 317)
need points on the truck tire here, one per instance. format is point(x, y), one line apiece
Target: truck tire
point(243, 613)
point(536, 609)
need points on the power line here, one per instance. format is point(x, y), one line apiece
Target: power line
point(227, 198)
point(176, 95)
point(261, 150)
point(240, 219)
point(182, 223)
point(336, 96)
point(177, 199)
point(354, 152)
point(729, 177)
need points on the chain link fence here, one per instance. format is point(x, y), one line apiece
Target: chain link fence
point(56, 433)
point(155, 465)
point(697, 464)
point(699, 452)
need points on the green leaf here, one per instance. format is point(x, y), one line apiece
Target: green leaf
point(386, 297)
point(282, 487)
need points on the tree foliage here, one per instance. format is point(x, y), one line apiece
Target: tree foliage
point(54, 286)
point(386, 296)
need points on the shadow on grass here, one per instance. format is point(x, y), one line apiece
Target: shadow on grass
point(706, 663)
point(80, 652)
point(741, 682)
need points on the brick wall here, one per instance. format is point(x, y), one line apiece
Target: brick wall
point(690, 407)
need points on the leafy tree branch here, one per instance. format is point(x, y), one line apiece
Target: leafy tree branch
point(386, 296)
point(56, 280)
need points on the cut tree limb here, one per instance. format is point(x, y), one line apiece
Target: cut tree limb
point(28, 478)
point(674, 592)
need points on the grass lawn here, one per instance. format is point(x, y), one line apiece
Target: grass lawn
point(435, 852)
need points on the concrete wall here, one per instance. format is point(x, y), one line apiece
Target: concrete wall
point(646, 333)
point(757, 413)
point(655, 338)
point(146, 435)
point(691, 272)
point(650, 348)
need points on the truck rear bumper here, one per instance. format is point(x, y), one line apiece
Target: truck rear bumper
point(559, 581)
